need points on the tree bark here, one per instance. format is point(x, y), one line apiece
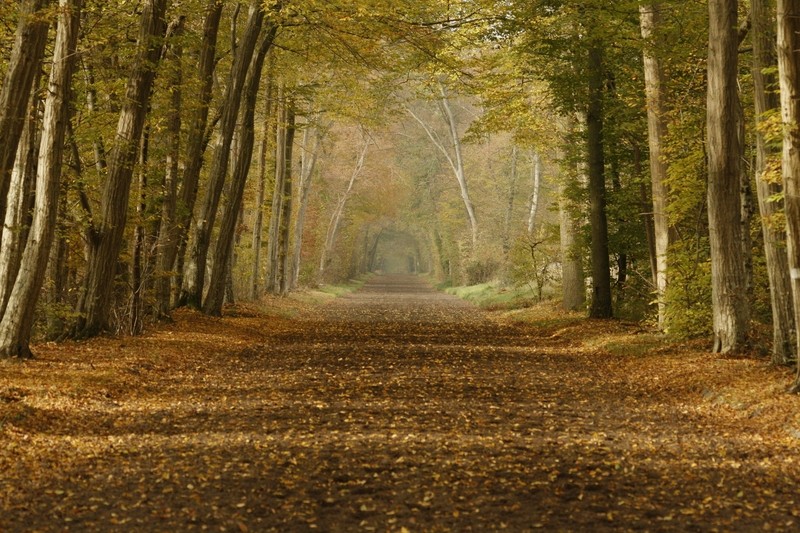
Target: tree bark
point(512, 196)
point(766, 100)
point(168, 228)
point(22, 69)
point(277, 192)
point(730, 305)
point(287, 204)
point(573, 280)
point(656, 133)
point(258, 224)
point(195, 269)
point(17, 320)
point(789, 74)
point(536, 174)
point(223, 252)
point(196, 143)
point(109, 225)
point(601, 273)
point(307, 167)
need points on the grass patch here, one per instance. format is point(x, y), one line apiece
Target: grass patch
point(495, 296)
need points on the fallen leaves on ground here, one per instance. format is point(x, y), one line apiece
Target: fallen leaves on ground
point(394, 409)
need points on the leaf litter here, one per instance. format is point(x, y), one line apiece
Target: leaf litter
point(398, 409)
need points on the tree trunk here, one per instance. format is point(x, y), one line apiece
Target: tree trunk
point(512, 196)
point(656, 132)
point(767, 100)
point(21, 196)
point(196, 142)
point(789, 73)
point(17, 321)
point(223, 251)
point(573, 281)
point(169, 229)
point(307, 166)
point(21, 71)
point(536, 174)
point(277, 191)
point(195, 269)
point(601, 274)
point(287, 204)
point(258, 224)
point(730, 305)
point(109, 225)
point(139, 237)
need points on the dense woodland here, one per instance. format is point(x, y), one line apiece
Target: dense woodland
point(636, 159)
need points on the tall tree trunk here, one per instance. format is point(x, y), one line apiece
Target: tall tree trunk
point(601, 273)
point(730, 305)
point(169, 229)
point(196, 142)
point(195, 269)
point(656, 132)
point(287, 204)
point(17, 320)
point(277, 192)
point(109, 225)
point(223, 251)
point(573, 281)
point(21, 71)
point(139, 242)
point(766, 100)
point(789, 73)
point(258, 224)
point(307, 166)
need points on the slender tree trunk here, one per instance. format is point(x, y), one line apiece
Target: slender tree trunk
point(223, 252)
point(572, 275)
point(258, 224)
point(287, 204)
point(167, 243)
point(536, 174)
point(766, 100)
point(196, 143)
point(109, 226)
point(789, 74)
point(17, 320)
point(139, 237)
point(512, 195)
point(601, 273)
point(728, 277)
point(656, 128)
point(307, 166)
point(21, 71)
point(273, 248)
point(195, 269)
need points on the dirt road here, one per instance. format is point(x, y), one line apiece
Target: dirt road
point(395, 408)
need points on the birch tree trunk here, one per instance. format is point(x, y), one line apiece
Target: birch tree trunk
point(223, 251)
point(789, 74)
point(109, 227)
point(338, 211)
point(764, 57)
point(730, 305)
point(307, 167)
point(17, 320)
point(656, 132)
point(21, 71)
point(195, 269)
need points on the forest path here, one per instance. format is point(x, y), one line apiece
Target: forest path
point(395, 408)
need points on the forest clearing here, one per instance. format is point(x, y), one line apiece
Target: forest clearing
point(395, 408)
